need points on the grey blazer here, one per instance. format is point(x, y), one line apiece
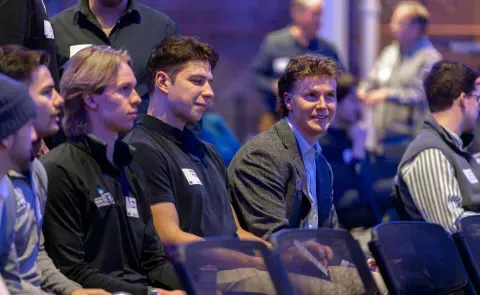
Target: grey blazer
point(268, 184)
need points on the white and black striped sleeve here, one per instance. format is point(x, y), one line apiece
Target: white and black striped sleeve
point(430, 179)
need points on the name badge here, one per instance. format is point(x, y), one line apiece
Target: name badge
point(132, 210)
point(48, 30)
point(191, 177)
point(76, 48)
point(470, 176)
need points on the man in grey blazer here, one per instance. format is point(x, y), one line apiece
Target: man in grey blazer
point(280, 179)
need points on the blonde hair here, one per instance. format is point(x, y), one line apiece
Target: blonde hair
point(418, 12)
point(89, 71)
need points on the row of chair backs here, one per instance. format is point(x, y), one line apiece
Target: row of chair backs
point(418, 258)
point(295, 265)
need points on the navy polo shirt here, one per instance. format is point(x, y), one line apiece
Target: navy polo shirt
point(139, 30)
point(182, 169)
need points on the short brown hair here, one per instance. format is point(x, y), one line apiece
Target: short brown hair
point(301, 67)
point(89, 71)
point(418, 12)
point(173, 53)
point(19, 62)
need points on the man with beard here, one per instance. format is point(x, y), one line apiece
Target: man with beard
point(98, 223)
point(121, 24)
point(36, 269)
point(17, 111)
point(437, 178)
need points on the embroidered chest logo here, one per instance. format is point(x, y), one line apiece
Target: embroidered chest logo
point(20, 200)
point(103, 199)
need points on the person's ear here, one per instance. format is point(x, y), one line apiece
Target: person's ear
point(162, 81)
point(463, 100)
point(91, 101)
point(287, 98)
point(7, 142)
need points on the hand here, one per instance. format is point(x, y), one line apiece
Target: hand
point(90, 292)
point(375, 96)
point(317, 250)
point(174, 292)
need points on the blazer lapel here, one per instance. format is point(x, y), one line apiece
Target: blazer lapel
point(288, 139)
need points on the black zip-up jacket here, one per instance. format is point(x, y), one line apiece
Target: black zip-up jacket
point(98, 225)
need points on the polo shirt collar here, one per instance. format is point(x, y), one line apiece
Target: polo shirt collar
point(185, 138)
point(97, 148)
point(82, 7)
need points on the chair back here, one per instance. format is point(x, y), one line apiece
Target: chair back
point(230, 266)
point(418, 258)
point(331, 256)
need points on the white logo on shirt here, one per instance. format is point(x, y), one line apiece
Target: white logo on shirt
point(104, 199)
point(191, 176)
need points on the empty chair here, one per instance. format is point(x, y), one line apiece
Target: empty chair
point(417, 258)
point(230, 266)
point(323, 261)
point(468, 242)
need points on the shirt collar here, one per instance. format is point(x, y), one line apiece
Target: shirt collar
point(82, 7)
point(305, 147)
point(185, 138)
point(97, 148)
point(456, 138)
point(4, 187)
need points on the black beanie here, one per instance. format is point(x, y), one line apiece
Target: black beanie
point(16, 106)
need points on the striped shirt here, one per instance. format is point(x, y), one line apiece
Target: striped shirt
point(430, 178)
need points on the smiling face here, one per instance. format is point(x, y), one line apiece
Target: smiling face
point(312, 104)
point(190, 93)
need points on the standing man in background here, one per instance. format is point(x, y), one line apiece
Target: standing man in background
point(121, 24)
point(394, 89)
point(280, 46)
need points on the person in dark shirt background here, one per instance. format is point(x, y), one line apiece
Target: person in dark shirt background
point(98, 225)
point(280, 46)
point(121, 24)
point(28, 25)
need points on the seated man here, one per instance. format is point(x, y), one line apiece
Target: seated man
point(36, 267)
point(98, 226)
point(438, 180)
point(280, 179)
point(17, 111)
point(188, 179)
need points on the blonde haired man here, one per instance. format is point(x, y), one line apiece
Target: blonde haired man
point(98, 224)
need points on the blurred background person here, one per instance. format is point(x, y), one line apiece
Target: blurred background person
point(121, 24)
point(393, 92)
point(280, 46)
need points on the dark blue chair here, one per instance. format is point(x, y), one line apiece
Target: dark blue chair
point(467, 239)
point(417, 258)
point(302, 252)
point(230, 267)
